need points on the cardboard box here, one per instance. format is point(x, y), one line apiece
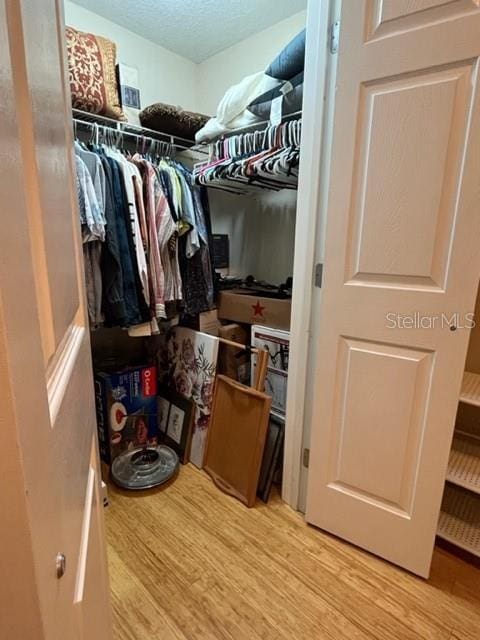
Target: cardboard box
point(277, 345)
point(126, 403)
point(239, 307)
point(205, 322)
point(231, 361)
point(208, 322)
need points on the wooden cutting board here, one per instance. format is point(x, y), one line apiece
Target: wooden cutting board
point(236, 438)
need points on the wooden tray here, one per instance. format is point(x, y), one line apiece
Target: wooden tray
point(236, 438)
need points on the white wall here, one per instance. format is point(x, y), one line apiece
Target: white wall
point(261, 229)
point(218, 73)
point(163, 75)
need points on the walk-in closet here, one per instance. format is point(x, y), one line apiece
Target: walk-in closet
point(247, 316)
point(188, 226)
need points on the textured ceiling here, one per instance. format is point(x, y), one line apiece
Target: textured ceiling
point(195, 29)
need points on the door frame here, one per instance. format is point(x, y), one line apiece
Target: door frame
point(317, 128)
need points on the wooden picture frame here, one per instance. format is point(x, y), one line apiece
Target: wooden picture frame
point(175, 422)
point(272, 456)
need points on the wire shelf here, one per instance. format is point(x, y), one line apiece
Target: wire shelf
point(259, 125)
point(470, 393)
point(464, 463)
point(126, 128)
point(459, 521)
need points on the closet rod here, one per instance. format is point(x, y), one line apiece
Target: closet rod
point(121, 133)
point(91, 120)
point(266, 123)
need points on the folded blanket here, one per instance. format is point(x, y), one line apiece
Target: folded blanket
point(231, 112)
point(214, 129)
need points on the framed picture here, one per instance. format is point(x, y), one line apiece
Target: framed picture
point(176, 418)
point(175, 421)
point(272, 456)
point(163, 408)
point(189, 363)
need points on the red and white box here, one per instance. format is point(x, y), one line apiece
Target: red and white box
point(126, 403)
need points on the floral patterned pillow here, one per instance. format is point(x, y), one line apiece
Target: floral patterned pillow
point(91, 69)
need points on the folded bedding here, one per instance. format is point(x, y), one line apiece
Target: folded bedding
point(291, 92)
point(231, 112)
point(214, 129)
point(250, 100)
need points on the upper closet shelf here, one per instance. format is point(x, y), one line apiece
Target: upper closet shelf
point(261, 126)
point(470, 393)
point(117, 130)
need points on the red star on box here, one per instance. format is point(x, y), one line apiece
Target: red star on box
point(258, 309)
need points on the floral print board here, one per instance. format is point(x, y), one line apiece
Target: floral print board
point(189, 366)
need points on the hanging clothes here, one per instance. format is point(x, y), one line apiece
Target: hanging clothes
point(195, 259)
point(92, 219)
point(147, 240)
point(132, 288)
point(113, 297)
point(152, 217)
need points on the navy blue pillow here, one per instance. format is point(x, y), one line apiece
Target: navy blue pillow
point(291, 60)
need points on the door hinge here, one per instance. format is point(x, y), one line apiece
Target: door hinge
point(319, 274)
point(334, 36)
point(306, 457)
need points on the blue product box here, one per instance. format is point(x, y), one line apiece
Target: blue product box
point(126, 404)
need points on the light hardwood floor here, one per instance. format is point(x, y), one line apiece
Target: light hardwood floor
point(190, 562)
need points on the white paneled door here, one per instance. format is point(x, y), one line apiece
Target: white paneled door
point(402, 264)
point(54, 574)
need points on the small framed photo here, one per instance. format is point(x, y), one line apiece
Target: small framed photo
point(163, 408)
point(175, 421)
